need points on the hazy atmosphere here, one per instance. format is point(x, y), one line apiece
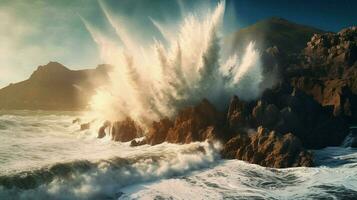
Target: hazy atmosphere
point(36, 32)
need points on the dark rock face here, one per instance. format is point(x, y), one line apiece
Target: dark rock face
point(289, 110)
point(266, 114)
point(269, 149)
point(238, 115)
point(195, 123)
point(295, 119)
point(330, 48)
point(327, 70)
point(301, 115)
point(158, 131)
point(192, 124)
point(204, 122)
point(125, 131)
point(101, 132)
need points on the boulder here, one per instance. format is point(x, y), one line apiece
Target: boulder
point(196, 123)
point(158, 131)
point(126, 130)
point(268, 148)
point(101, 131)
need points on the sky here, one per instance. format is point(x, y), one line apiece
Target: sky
point(34, 32)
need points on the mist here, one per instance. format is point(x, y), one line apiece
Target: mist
point(185, 65)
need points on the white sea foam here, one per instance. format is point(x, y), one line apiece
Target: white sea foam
point(45, 156)
point(239, 180)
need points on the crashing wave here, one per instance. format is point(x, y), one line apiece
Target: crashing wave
point(102, 179)
point(149, 83)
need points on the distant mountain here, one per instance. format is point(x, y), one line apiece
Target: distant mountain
point(54, 87)
point(288, 36)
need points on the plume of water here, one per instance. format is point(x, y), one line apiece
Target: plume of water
point(150, 83)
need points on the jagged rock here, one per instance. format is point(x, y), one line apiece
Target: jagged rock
point(126, 130)
point(338, 93)
point(101, 132)
point(268, 149)
point(266, 115)
point(238, 114)
point(194, 123)
point(285, 109)
point(158, 131)
point(312, 106)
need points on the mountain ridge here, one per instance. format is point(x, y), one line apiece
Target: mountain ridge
point(288, 36)
point(54, 87)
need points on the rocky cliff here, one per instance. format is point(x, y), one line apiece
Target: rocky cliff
point(327, 70)
point(312, 106)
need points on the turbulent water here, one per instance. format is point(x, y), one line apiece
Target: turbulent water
point(43, 155)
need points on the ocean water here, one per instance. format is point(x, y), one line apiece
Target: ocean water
point(43, 155)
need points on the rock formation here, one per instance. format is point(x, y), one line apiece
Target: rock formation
point(269, 149)
point(158, 131)
point(126, 130)
point(196, 123)
point(101, 132)
point(204, 122)
point(311, 107)
point(327, 70)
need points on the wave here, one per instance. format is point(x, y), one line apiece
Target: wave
point(50, 161)
point(234, 179)
point(192, 66)
point(103, 179)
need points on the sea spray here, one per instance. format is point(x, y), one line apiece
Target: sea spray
point(149, 83)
